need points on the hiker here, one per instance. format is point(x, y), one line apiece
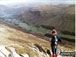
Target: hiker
point(54, 42)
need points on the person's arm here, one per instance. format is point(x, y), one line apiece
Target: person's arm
point(59, 38)
point(50, 39)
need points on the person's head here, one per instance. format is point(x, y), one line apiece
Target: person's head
point(54, 32)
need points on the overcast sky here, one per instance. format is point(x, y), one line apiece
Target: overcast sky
point(4, 2)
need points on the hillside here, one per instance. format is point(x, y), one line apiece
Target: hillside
point(14, 40)
point(25, 29)
point(22, 42)
point(58, 16)
point(32, 18)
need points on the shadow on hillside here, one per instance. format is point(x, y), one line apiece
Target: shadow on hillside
point(68, 33)
point(50, 36)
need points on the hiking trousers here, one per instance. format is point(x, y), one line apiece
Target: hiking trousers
point(54, 50)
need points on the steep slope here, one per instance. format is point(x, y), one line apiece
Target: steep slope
point(33, 19)
point(59, 16)
point(14, 40)
point(22, 42)
point(62, 16)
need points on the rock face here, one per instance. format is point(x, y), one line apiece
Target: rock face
point(12, 53)
point(5, 53)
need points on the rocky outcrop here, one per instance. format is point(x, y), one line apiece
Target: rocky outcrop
point(11, 52)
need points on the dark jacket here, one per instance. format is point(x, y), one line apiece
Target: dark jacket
point(53, 40)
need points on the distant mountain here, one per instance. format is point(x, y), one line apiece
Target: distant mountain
point(3, 9)
point(62, 17)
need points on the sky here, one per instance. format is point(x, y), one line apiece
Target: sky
point(5, 2)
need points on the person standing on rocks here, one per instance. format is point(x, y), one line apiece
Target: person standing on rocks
point(54, 42)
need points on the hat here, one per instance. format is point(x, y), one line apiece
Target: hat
point(53, 32)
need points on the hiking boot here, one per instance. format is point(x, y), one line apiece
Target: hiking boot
point(55, 55)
